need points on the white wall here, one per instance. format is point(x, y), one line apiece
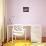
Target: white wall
point(36, 14)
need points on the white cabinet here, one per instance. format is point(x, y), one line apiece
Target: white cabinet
point(36, 33)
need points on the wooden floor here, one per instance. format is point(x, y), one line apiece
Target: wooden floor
point(23, 43)
point(18, 43)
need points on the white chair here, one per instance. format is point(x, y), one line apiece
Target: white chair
point(17, 31)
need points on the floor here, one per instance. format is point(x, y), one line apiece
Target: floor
point(18, 43)
point(23, 43)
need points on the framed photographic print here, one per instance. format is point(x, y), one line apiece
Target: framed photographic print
point(25, 9)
